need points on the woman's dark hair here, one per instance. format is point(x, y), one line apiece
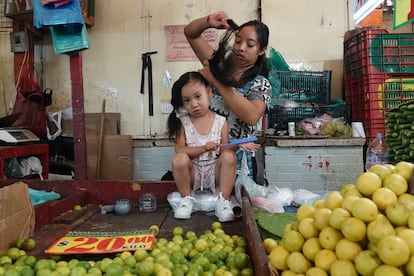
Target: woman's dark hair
point(221, 63)
point(173, 123)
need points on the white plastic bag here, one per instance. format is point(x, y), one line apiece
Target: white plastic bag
point(203, 200)
point(31, 165)
point(243, 180)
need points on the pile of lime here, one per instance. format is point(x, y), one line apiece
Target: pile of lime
point(213, 252)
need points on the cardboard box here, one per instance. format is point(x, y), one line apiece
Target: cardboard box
point(17, 214)
point(112, 124)
point(116, 157)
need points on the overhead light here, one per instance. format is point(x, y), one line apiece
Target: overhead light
point(366, 8)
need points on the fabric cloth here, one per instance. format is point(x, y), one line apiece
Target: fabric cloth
point(204, 165)
point(257, 89)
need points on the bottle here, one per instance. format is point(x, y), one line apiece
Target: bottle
point(147, 203)
point(377, 152)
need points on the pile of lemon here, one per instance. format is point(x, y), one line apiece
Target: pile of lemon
point(213, 252)
point(366, 228)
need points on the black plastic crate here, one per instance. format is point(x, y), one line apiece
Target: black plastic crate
point(301, 86)
point(279, 117)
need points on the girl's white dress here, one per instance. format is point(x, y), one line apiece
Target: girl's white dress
point(205, 164)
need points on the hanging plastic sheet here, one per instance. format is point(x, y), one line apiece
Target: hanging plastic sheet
point(68, 15)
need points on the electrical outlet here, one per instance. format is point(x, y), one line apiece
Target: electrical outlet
point(166, 108)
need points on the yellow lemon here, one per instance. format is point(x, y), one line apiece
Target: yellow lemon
point(278, 258)
point(308, 228)
point(381, 170)
point(407, 200)
point(393, 250)
point(316, 271)
point(408, 236)
point(298, 263)
point(367, 183)
point(397, 213)
point(305, 211)
point(324, 259)
point(328, 237)
point(388, 270)
point(405, 169)
point(354, 229)
point(333, 200)
point(321, 217)
point(343, 267)
point(293, 241)
point(396, 183)
point(337, 217)
point(366, 262)
point(379, 228)
point(383, 197)
point(364, 209)
point(348, 201)
point(347, 250)
point(269, 244)
point(311, 247)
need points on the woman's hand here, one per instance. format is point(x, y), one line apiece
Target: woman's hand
point(249, 146)
point(218, 20)
point(206, 72)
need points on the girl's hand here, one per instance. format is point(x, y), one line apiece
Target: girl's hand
point(250, 146)
point(211, 146)
point(218, 20)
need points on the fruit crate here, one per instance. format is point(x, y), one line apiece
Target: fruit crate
point(372, 95)
point(377, 51)
point(279, 116)
point(301, 86)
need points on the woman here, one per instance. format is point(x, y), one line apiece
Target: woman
point(241, 90)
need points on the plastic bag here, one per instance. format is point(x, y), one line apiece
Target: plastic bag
point(30, 105)
point(243, 180)
point(37, 197)
point(12, 168)
point(69, 15)
point(203, 200)
point(31, 165)
point(313, 126)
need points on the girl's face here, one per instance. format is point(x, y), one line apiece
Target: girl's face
point(196, 98)
point(246, 47)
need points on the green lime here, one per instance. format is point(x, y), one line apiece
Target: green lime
point(30, 261)
point(177, 230)
point(241, 260)
point(145, 268)
point(140, 254)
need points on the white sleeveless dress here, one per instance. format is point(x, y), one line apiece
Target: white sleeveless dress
point(205, 164)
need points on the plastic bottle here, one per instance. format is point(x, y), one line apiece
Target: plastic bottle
point(377, 152)
point(147, 203)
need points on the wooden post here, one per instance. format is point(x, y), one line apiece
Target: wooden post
point(79, 138)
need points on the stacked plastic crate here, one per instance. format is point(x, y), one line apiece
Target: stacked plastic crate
point(378, 75)
point(301, 95)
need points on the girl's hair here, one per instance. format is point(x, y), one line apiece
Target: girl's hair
point(174, 123)
point(221, 63)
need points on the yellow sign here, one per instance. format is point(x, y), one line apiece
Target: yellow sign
point(403, 12)
point(102, 242)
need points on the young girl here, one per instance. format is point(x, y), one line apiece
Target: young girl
point(199, 161)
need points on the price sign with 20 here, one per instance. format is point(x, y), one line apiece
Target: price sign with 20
point(102, 242)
